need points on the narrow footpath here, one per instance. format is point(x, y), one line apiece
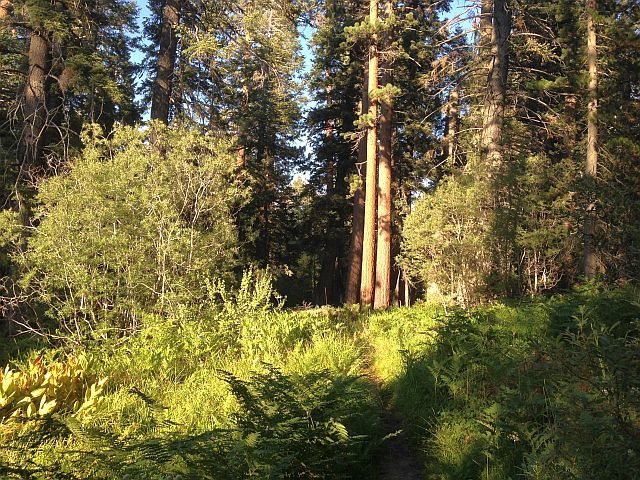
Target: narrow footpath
point(397, 460)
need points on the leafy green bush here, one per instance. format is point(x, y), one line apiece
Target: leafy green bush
point(138, 224)
point(444, 240)
point(475, 237)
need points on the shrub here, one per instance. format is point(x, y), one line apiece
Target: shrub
point(136, 224)
point(544, 390)
point(444, 240)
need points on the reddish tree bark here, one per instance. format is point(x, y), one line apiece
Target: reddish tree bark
point(382, 296)
point(495, 25)
point(370, 211)
point(352, 294)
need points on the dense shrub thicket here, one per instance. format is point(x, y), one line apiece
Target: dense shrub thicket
point(457, 242)
point(140, 223)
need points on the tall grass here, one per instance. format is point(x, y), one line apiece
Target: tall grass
point(237, 389)
point(240, 388)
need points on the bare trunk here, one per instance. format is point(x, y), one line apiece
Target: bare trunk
point(453, 124)
point(495, 26)
point(369, 238)
point(355, 250)
point(241, 157)
point(161, 89)
point(264, 242)
point(383, 245)
point(591, 165)
point(407, 293)
point(35, 98)
point(357, 226)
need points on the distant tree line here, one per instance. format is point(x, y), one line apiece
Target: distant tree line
point(470, 152)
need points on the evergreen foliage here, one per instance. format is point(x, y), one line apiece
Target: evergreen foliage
point(146, 270)
point(88, 75)
point(529, 221)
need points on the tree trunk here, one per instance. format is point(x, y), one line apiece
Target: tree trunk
point(369, 236)
point(591, 165)
point(35, 98)
point(453, 124)
point(383, 246)
point(241, 157)
point(495, 26)
point(162, 85)
point(357, 226)
point(266, 194)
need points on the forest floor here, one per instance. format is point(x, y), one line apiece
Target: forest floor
point(397, 459)
point(397, 462)
point(335, 393)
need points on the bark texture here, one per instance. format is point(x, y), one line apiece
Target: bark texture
point(383, 246)
point(382, 296)
point(35, 97)
point(369, 237)
point(453, 124)
point(162, 85)
point(352, 294)
point(590, 260)
point(495, 25)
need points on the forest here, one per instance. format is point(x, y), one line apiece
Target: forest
point(320, 239)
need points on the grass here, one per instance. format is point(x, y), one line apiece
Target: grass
point(542, 390)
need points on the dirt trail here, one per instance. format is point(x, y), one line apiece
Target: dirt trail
point(397, 461)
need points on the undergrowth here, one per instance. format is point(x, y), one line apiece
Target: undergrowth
point(238, 388)
point(548, 389)
point(543, 390)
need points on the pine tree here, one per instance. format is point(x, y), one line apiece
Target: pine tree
point(367, 281)
point(382, 296)
point(76, 71)
point(336, 83)
point(352, 294)
point(244, 59)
